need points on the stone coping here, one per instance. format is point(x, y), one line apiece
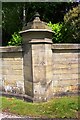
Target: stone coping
point(36, 30)
point(65, 46)
point(11, 49)
point(53, 47)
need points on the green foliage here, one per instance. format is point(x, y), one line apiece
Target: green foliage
point(16, 40)
point(12, 15)
point(56, 28)
point(65, 107)
point(71, 28)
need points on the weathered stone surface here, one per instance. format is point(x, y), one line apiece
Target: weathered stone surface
point(11, 49)
point(65, 67)
point(66, 46)
point(39, 92)
point(28, 88)
point(12, 69)
point(41, 69)
point(38, 58)
point(66, 71)
point(46, 73)
point(36, 23)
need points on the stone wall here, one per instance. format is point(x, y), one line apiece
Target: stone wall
point(66, 67)
point(12, 69)
point(47, 70)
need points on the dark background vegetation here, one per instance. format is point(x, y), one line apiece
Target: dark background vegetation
point(12, 15)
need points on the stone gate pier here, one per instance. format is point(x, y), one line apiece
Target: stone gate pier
point(37, 41)
point(39, 69)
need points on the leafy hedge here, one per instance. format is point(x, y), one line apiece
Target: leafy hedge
point(71, 28)
point(15, 40)
point(57, 36)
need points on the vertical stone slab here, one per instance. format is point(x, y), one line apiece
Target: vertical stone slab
point(42, 71)
point(37, 60)
point(39, 71)
point(27, 65)
point(48, 60)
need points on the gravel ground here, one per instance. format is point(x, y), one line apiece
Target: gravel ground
point(7, 115)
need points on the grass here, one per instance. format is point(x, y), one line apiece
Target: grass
point(65, 107)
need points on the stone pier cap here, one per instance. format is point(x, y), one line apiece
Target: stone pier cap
point(36, 25)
